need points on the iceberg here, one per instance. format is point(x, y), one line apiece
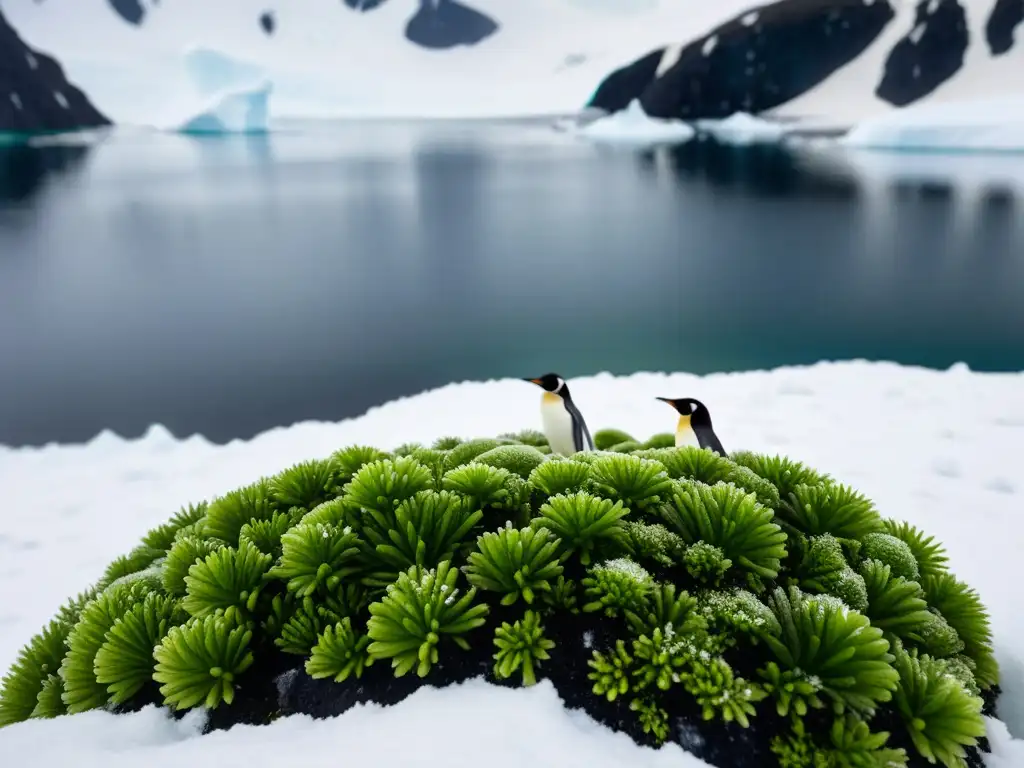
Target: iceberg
point(995, 125)
point(633, 126)
point(233, 111)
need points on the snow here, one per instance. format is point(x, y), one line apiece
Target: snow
point(492, 723)
point(326, 60)
point(978, 125)
point(936, 448)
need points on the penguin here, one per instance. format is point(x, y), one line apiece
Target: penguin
point(564, 426)
point(694, 427)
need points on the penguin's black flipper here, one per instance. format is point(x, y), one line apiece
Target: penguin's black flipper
point(710, 440)
point(580, 434)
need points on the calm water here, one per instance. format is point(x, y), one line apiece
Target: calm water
point(224, 286)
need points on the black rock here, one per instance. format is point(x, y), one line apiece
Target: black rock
point(132, 11)
point(35, 96)
point(1000, 29)
point(364, 5)
point(441, 24)
point(931, 53)
point(267, 22)
point(766, 57)
point(623, 85)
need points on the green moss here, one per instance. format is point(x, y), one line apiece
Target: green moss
point(686, 561)
point(518, 459)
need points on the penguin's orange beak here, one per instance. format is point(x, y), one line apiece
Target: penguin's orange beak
point(533, 381)
point(666, 400)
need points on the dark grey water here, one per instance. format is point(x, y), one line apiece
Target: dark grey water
point(228, 285)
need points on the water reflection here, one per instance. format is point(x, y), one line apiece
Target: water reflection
point(25, 169)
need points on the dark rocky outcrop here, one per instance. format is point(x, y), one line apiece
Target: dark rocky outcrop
point(35, 96)
point(929, 55)
point(441, 24)
point(268, 22)
point(1001, 27)
point(132, 11)
point(627, 83)
point(762, 58)
point(363, 5)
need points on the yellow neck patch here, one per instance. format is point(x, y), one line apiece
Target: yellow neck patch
point(550, 398)
point(683, 425)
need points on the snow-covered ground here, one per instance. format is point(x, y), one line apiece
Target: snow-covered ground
point(939, 449)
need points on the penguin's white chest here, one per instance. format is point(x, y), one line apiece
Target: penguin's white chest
point(557, 425)
point(685, 434)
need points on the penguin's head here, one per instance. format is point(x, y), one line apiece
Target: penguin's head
point(687, 406)
point(550, 382)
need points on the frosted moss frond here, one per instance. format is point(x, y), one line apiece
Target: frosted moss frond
point(428, 528)
point(81, 690)
point(382, 485)
point(893, 552)
point(700, 464)
point(626, 447)
point(606, 438)
point(584, 524)
point(653, 719)
point(50, 702)
point(853, 745)
point(793, 689)
point(317, 558)
point(824, 568)
point(339, 653)
point(227, 580)
point(616, 586)
point(520, 460)
point(830, 508)
point(516, 562)
point(201, 661)
point(895, 605)
point(561, 596)
point(350, 460)
point(719, 693)
point(305, 620)
point(730, 519)
point(637, 483)
point(660, 440)
point(433, 460)
point(521, 646)
point(653, 543)
point(227, 514)
point(124, 663)
point(420, 609)
point(940, 714)
point(555, 477)
point(738, 611)
point(526, 437)
point(446, 443)
point(659, 658)
point(824, 638)
point(484, 486)
point(136, 561)
point(162, 537)
point(266, 535)
point(930, 555)
point(785, 474)
point(665, 608)
point(961, 606)
point(466, 452)
point(766, 493)
point(937, 637)
point(35, 663)
point(706, 563)
point(611, 672)
point(334, 512)
point(184, 553)
point(304, 485)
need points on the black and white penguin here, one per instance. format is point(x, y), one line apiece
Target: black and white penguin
point(564, 426)
point(694, 427)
